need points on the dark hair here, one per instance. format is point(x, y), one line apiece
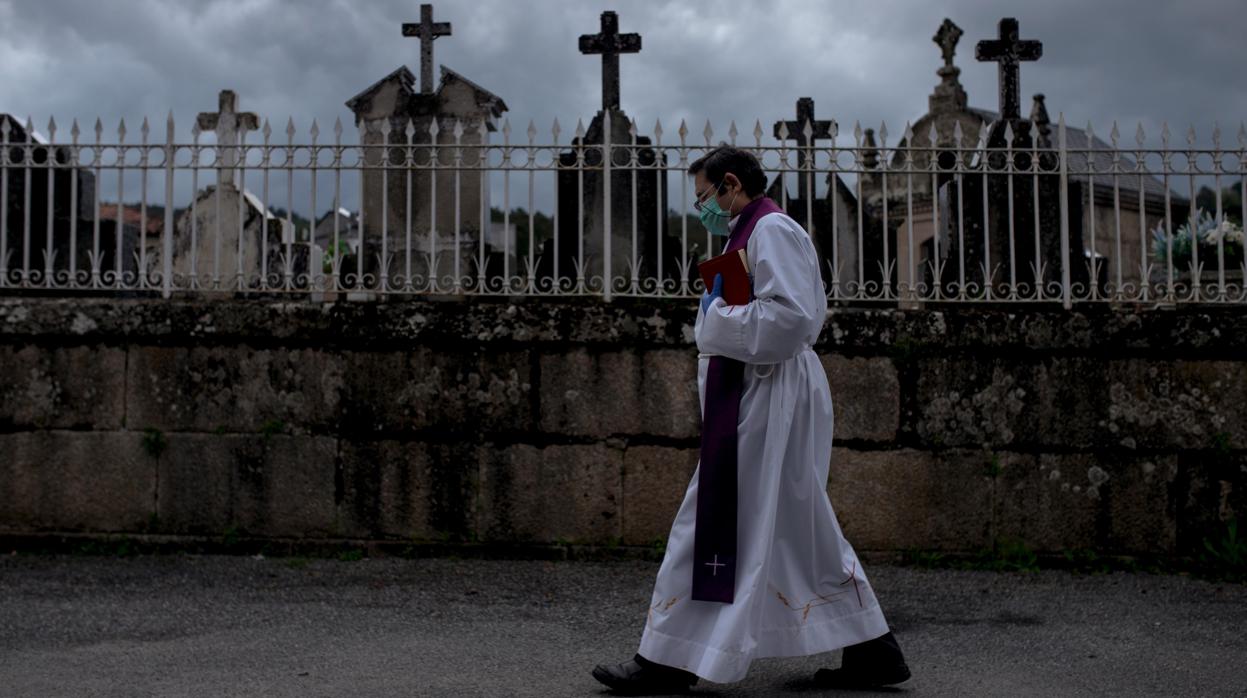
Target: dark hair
point(742, 163)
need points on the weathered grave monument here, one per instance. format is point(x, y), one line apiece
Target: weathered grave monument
point(830, 219)
point(412, 213)
point(228, 239)
point(953, 134)
point(48, 223)
point(637, 215)
point(1018, 244)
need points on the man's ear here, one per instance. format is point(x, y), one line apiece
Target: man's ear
point(730, 180)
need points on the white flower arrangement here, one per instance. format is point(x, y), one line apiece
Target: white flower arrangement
point(1209, 232)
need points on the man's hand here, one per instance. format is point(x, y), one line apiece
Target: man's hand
point(715, 292)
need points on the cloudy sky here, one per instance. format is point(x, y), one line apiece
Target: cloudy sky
point(867, 60)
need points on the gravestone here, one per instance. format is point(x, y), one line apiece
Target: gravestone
point(230, 236)
point(951, 124)
point(586, 205)
point(227, 240)
point(30, 240)
point(1031, 257)
point(833, 226)
point(418, 210)
point(912, 182)
point(341, 223)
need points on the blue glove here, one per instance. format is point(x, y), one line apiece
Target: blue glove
point(716, 292)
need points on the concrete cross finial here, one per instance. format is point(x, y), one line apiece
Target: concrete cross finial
point(947, 37)
point(610, 43)
point(1008, 51)
point(228, 123)
point(427, 30)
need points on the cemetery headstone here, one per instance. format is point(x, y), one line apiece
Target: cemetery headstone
point(582, 191)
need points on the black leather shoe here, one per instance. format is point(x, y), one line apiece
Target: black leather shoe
point(640, 677)
point(872, 664)
point(876, 677)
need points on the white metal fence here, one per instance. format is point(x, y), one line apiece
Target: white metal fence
point(1053, 216)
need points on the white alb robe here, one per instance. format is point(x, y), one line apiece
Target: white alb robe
point(800, 589)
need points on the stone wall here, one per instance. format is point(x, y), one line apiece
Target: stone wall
point(537, 421)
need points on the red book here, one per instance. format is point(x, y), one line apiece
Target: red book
point(734, 266)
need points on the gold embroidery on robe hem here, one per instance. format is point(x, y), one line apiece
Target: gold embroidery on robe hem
point(665, 606)
point(822, 599)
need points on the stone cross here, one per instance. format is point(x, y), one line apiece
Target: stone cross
point(228, 122)
point(805, 115)
point(610, 43)
point(819, 130)
point(1007, 51)
point(427, 30)
point(947, 37)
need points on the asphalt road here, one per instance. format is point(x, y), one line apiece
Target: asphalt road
point(239, 626)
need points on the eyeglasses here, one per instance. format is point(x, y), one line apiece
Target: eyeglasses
point(704, 196)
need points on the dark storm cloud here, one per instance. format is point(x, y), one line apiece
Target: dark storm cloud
point(867, 60)
point(748, 60)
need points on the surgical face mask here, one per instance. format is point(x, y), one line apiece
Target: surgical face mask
point(713, 217)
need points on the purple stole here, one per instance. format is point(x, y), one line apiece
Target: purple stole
point(714, 538)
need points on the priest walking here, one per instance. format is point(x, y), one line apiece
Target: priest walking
point(756, 564)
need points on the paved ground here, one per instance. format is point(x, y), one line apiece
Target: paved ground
point(231, 626)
